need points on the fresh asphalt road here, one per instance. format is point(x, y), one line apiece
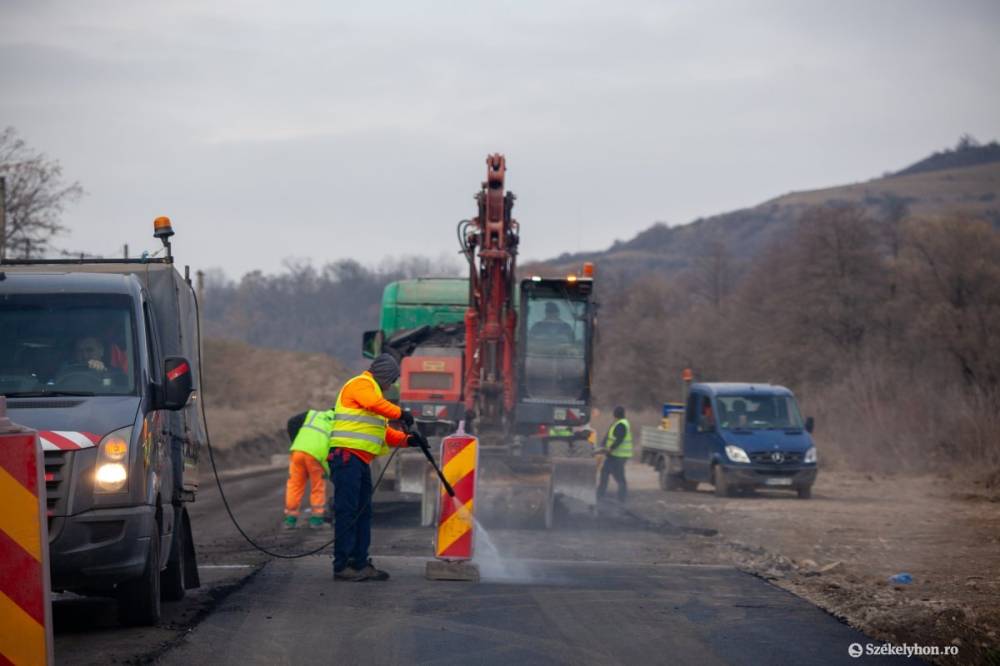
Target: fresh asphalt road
point(597, 590)
point(572, 613)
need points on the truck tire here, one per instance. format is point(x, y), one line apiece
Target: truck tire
point(139, 598)
point(722, 487)
point(173, 578)
point(805, 492)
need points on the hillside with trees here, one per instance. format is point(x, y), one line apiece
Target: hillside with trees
point(876, 302)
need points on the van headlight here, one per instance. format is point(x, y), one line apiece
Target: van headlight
point(736, 454)
point(810, 456)
point(112, 462)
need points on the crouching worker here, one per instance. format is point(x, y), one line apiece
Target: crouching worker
point(360, 433)
point(307, 463)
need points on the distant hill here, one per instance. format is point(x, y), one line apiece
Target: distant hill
point(968, 152)
point(941, 183)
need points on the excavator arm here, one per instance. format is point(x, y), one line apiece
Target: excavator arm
point(489, 242)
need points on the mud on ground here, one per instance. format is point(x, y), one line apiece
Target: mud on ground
point(839, 549)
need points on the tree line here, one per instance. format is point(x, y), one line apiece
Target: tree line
point(883, 324)
point(305, 308)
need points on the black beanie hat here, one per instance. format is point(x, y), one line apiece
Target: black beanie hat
point(385, 369)
point(619, 412)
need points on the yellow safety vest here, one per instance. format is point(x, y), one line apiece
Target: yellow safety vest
point(624, 449)
point(314, 436)
point(359, 428)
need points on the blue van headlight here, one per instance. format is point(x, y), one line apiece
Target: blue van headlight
point(810, 456)
point(736, 454)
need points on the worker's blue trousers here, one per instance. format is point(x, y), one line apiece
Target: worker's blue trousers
point(352, 527)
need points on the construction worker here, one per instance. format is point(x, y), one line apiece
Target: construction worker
point(617, 446)
point(360, 433)
point(307, 462)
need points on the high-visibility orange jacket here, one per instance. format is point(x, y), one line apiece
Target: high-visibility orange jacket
point(359, 394)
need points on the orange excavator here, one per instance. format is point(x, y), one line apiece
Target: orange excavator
point(525, 349)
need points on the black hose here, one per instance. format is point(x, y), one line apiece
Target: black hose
point(218, 481)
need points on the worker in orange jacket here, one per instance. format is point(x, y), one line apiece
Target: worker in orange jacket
point(307, 464)
point(360, 433)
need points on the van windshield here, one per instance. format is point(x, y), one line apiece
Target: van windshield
point(66, 344)
point(758, 412)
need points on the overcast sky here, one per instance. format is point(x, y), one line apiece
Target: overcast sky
point(321, 130)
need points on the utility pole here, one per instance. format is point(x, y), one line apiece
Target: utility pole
point(3, 216)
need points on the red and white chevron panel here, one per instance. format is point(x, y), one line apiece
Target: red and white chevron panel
point(67, 440)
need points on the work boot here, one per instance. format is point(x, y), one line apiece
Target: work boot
point(350, 574)
point(371, 573)
point(315, 522)
point(289, 523)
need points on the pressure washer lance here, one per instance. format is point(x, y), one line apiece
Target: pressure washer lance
point(425, 447)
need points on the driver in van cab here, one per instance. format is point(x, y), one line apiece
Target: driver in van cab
point(89, 351)
point(739, 413)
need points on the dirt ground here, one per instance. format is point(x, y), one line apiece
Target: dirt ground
point(839, 549)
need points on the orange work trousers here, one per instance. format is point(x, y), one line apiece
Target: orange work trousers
point(303, 467)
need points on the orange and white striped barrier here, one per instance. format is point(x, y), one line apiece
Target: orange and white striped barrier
point(25, 603)
point(459, 458)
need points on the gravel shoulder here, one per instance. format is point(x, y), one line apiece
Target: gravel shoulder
point(839, 549)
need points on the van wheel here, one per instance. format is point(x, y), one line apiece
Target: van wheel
point(722, 487)
point(139, 598)
point(172, 580)
point(805, 492)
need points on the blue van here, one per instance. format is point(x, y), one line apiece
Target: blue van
point(742, 436)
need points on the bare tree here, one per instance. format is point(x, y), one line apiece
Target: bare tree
point(711, 275)
point(952, 268)
point(35, 197)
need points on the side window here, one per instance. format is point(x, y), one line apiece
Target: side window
point(706, 415)
point(152, 351)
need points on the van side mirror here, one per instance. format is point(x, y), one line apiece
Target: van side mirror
point(177, 383)
point(371, 343)
point(810, 424)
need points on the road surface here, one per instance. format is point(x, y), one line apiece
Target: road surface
point(601, 589)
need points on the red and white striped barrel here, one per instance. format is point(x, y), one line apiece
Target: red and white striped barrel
point(459, 458)
point(25, 600)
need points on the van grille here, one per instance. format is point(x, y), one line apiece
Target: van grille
point(57, 469)
point(767, 458)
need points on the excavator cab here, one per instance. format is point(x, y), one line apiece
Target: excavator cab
point(555, 354)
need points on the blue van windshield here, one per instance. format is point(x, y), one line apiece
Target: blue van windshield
point(758, 412)
point(66, 344)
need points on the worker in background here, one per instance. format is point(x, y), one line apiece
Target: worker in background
point(617, 447)
point(360, 433)
point(307, 463)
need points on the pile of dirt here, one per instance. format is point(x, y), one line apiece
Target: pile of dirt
point(250, 392)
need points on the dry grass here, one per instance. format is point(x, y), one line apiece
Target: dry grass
point(972, 189)
point(251, 392)
point(876, 419)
